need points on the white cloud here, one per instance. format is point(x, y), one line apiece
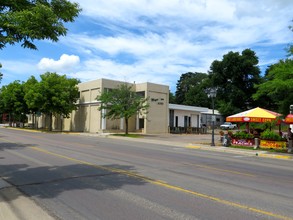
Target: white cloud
point(135, 11)
point(158, 40)
point(160, 70)
point(64, 64)
point(17, 67)
point(17, 70)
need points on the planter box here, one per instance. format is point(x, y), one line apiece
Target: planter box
point(273, 144)
point(243, 142)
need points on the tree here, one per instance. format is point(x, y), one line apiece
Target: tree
point(122, 102)
point(32, 94)
point(53, 95)
point(0, 72)
point(278, 85)
point(235, 78)
point(182, 87)
point(32, 97)
point(196, 95)
point(12, 101)
point(23, 21)
point(290, 48)
point(172, 98)
point(190, 89)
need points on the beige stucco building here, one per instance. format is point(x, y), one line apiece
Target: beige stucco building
point(161, 116)
point(87, 118)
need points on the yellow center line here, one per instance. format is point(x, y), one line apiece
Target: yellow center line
point(166, 185)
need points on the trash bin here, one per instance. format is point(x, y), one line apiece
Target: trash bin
point(290, 146)
point(226, 140)
point(256, 143)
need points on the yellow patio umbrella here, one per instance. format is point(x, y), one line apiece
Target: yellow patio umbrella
point(258, 114)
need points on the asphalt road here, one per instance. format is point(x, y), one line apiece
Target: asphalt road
point(83, 177)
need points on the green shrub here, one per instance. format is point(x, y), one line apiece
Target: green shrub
point(242, 135)
point(270, 135)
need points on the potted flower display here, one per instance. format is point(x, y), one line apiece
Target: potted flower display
point(242, 138)
point(271, 139)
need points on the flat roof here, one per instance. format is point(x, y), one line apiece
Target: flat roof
point(188, 108)
point(210, 111)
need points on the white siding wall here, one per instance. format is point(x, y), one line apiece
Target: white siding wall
point(194, 120)
point(181, 115)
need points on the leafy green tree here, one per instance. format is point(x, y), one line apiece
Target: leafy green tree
point(278, 85)
point(1, 75)
point(32, 94)
point(235, 78)
point(33, 97)
point(182, 87)
point(12, 101)
point(172, 98)
point(190, 89)
point(290, 48)
point(23, 21)
point(196, 95)
point(53, 95)
point(122, 102)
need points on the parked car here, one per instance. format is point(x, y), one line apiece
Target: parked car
point(228, 125)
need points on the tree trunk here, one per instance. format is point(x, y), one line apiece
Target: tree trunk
point(9, 120)
point(50, 121)
point(126, 126)
point(34, 121)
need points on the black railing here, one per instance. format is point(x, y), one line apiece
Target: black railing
point(187, 130)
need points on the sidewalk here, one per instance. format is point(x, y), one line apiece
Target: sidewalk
point(14, 205)
point(197, 141)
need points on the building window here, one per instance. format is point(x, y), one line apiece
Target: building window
point(141, 94)
point(141, 123)
point(171, 118)
point(185, 121)
point(108, 89)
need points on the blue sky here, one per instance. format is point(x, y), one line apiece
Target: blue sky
point(155, 40)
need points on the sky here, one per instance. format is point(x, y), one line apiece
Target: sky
point(155, 40)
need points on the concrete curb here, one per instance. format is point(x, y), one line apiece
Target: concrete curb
point(14, 205)
point(257, 153)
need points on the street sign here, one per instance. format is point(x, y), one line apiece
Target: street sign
point(213, 118)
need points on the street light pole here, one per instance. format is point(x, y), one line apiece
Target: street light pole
point(213, 123)
point(212, 93)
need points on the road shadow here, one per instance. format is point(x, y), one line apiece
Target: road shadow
point(50, 181)
point(13, 146)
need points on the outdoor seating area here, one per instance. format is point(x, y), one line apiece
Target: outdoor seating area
point(260, 128)
point(187, 130)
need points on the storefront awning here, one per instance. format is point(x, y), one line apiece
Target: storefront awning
point(254, 115)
